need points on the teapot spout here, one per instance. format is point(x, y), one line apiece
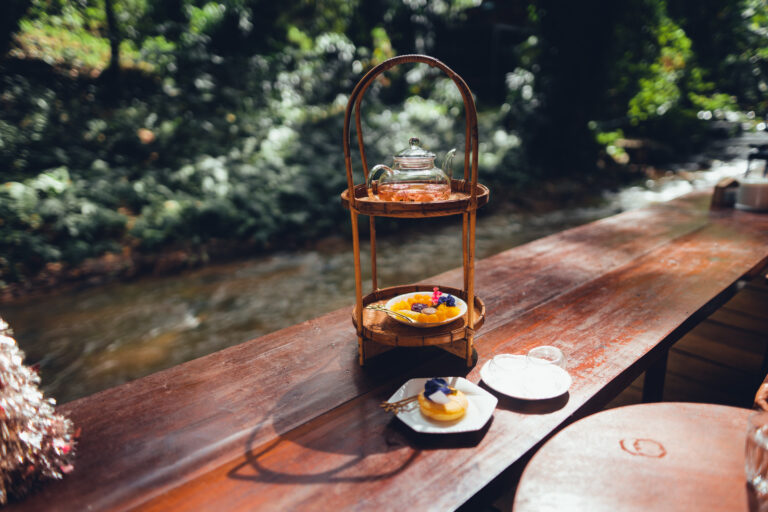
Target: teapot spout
point(448, 163)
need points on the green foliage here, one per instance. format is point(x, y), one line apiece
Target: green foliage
point(382, 46)
point(228, 122)
point(729, 39)
point(75, 47)
point(653, 69)
point(13, 11)
point(52, 218)
point(660, 88)
point(73, 35)
point(718, 101)
point(248, 157)
point(205, 19)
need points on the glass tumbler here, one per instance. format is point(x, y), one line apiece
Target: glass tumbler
point(546, 354)
point(756, 460)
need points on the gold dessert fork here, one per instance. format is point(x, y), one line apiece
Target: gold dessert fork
point(400, 405)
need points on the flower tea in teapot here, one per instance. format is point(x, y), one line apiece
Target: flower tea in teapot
point(413, 177)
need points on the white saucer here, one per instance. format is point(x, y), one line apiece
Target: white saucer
point(479, 409)
point(528, 381)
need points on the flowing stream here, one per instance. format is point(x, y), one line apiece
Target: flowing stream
point(92, 339)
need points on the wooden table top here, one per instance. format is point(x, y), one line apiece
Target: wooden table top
point(662, 456)
point(290, 421)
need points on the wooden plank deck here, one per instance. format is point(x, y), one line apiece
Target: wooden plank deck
point(721, 360)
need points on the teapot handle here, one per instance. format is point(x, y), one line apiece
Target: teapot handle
point(373, 181)
point(448, 163)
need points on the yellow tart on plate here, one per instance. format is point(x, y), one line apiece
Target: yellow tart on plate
point(441, 402)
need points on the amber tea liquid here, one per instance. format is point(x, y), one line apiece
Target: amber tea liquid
point(414, 192)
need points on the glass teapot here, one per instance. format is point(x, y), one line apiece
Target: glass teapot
point(413, 177)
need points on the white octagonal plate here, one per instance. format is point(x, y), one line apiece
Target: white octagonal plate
point(479, 409)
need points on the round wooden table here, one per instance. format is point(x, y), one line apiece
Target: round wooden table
point(660, 456)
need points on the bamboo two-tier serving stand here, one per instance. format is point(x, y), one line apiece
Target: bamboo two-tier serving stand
point(376, 331)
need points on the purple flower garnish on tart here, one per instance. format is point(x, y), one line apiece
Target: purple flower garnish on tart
point(437, 385)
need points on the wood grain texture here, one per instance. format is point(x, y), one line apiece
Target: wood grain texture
point(666, 456)
point(291, 421)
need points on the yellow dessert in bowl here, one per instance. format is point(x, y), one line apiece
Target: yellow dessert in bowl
point(425, 309)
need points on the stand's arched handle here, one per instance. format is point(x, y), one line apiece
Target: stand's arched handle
point(470, 140)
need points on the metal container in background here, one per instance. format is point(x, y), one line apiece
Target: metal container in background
point(752, 193)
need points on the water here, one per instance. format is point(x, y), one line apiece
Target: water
point(96, 338)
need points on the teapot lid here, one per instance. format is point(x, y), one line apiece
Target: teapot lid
point(415, 150)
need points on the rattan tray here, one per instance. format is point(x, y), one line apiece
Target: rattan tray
point(379, 327)
point(459, 202)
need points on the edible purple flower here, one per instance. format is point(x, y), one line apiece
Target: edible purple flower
point(435, 385)
point(448, 300)
point(417, 307)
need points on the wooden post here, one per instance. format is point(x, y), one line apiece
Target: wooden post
point(471, 284)
point(358, 286)
point(374, 278)
point(653, 384)
point(464, 252)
